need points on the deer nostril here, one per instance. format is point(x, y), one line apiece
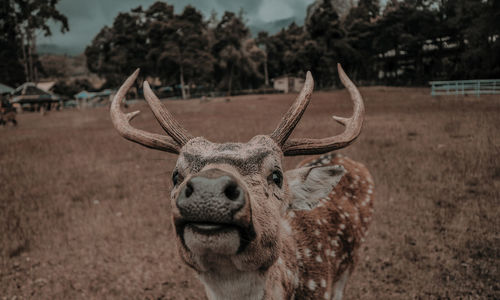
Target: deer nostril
point(232, 191)
point(188, 191)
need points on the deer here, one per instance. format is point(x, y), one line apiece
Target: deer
point(251, 230)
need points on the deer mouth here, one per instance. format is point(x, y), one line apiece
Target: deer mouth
point(210, 228)
point(222, 238)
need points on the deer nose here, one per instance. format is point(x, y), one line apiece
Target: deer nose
point(212, 196)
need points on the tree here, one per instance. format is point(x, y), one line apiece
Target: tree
point(325, 28)
point(32, 16)
point(237, 56)
point(360, 25)
point(183, 51)
point(11, 69)
point(120, 49)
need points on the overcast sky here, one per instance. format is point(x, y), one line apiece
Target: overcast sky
point(87, 17)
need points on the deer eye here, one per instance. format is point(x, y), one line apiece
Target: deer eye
point(176, 177)
point(276, 177)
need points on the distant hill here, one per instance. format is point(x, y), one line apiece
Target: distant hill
point(62, 67)
point(56, 49)
point(274, 26)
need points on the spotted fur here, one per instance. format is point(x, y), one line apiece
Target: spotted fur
point(328, 236)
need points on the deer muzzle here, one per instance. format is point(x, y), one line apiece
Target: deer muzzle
point(214, 213)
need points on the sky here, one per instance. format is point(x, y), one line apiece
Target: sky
point(87, 17)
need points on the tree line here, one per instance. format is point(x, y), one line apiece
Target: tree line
point(406, 42)
point(179, 48)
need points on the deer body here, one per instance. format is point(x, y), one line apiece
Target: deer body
point(328, 236)
point(251, 230)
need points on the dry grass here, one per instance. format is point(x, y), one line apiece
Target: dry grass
point(85, 214)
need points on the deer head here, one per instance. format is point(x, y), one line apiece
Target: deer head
point(228, 199)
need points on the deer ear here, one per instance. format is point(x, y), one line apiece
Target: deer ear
point(310, 184)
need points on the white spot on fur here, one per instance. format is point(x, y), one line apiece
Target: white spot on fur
point(319, 246)
point(307, 252)
point(327, 296)
point(316, 232)
point(291, 214)
point(319, 259)
point(311, 285)
point(318, 221)
point(299, 256)
point(342, 226)
point(323, 283)
point(286, 226)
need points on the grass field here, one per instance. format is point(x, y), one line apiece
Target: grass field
point(84, 214)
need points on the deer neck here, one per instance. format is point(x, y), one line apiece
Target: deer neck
point(245, 285)
point(223, 280)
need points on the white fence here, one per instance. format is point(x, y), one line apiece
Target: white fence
point(465, 87)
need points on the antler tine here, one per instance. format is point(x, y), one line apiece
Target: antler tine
point(165, 118)
point(352, 125)
point(121, 122)
point(294, 113)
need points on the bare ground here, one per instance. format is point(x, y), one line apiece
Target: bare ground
point(84, 214)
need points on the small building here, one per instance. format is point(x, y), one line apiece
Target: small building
point(5, 92)
point(5, 89)
point(46, 86)
point(93, 99)
point(30, 97)
point(288, 84)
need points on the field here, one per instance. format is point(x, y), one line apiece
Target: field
point(84, 214)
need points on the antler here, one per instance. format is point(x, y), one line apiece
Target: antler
point(304, 146)
point(294, 113)
point(178, 136)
